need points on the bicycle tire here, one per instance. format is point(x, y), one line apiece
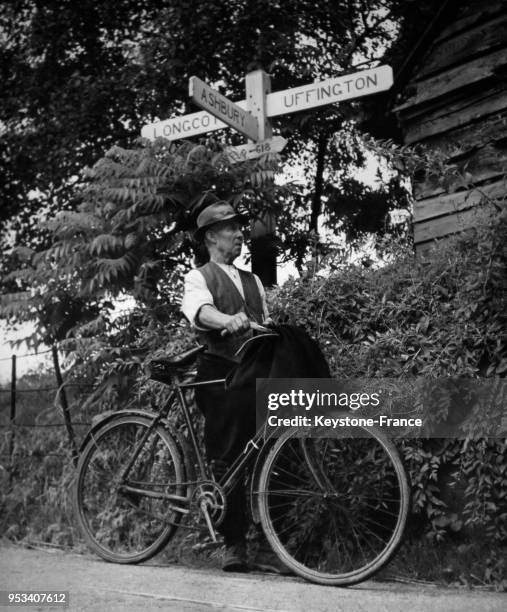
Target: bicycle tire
point(119, 527)
point(333, 507)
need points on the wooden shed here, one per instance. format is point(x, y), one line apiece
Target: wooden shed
point(452, 95)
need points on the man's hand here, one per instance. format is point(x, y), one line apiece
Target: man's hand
point(237, 324)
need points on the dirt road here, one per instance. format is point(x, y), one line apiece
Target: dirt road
point(98, 586)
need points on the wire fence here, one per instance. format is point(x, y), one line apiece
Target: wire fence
point(25, 355)
point(42, 425)
point(48, 401)
point(44, 389)
point(24, 456)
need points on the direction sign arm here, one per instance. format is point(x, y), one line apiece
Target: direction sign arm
point(230, 113)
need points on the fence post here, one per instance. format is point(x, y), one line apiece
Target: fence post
point(65, 406)
point(12, 417)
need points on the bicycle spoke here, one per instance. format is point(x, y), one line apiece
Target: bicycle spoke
point(395, 514)
point(372, 521)
point(287, 526)
point(370, 531)
point(358, 540)
point(347, 553)
point(378, 498)
point(291, 492)
point(292, 474)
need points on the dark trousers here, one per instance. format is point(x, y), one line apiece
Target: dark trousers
point(229, 424)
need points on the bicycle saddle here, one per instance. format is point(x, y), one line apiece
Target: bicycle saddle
point(159, 369)
point(181, 359)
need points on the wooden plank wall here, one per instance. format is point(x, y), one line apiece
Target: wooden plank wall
point(457, 101)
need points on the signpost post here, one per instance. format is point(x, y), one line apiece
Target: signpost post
point(263, 228)
point(250, 117)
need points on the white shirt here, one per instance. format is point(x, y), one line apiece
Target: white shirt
point(197, 294)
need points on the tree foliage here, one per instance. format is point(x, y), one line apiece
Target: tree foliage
point(79, 78)
point(129, 235)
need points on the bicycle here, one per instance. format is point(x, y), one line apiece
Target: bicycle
point(333, 508)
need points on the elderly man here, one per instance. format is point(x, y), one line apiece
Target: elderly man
point(220, 300)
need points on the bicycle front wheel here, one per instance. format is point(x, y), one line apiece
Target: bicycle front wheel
point(333, 507)
point(128, 520)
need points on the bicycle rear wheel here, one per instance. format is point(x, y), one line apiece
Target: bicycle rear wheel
point(128, 522)
point(334, 507)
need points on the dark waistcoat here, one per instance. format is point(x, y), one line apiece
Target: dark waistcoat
point(227, 299)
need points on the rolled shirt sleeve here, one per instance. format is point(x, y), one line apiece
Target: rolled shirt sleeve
point(196, 295)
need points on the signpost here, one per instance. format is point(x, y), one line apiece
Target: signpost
point(255, 149)
point(251, 118)
point(220, 106)
point(331, 91)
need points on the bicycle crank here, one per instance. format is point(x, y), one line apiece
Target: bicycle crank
point(209, 499)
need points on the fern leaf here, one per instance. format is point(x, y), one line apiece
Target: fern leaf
point(105, 243)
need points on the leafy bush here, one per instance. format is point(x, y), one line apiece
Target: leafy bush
point(435, 317)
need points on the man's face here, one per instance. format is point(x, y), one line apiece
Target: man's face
point(227, 238)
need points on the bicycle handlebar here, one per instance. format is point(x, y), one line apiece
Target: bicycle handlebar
point(254, 326)
point(261, 328)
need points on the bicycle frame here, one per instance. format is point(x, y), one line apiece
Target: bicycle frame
point(232, 474)
point(229, 479)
